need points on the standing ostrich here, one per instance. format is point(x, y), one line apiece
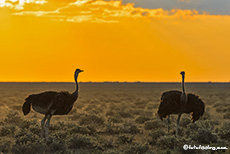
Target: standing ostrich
point(51, 103)
point(177, 102)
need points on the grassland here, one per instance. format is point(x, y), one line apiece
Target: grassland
point(113, 118)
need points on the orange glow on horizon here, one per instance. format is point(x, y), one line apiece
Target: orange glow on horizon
point(111, 41)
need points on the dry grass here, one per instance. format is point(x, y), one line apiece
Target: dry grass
point(112, 118)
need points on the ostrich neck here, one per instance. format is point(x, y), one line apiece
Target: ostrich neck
point(183, 97)
point(183, 89)
point(75, 93)
point(183, 84)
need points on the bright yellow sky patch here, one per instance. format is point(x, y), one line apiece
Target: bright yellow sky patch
point(112, 42)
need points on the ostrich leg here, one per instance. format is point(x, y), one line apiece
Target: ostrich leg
point(47, 126)
point(49, 116)
point(177, 124)
point(168, 123)
point(42, 125)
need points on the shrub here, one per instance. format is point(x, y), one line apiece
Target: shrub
point(35, 129)
point(205, 136)
point(75, 116)
point(112, 129)
point(106, 143)
point(25, 124)
point(206, 116)
point(91, 120)
point(141, 119)
point(111, 151)
point(25, 137)
point(194, 127)
point(153, 124)
point(125, 114)
point(207, 124)
point(80, 130)
point(13, 118)
point(36, 147)
point(184, 122)
point(56, 143)
point(223, 109)
point(60, 134)
point(167, 141)
point(137, 149)
point(141, 103)
point(123, 139)
point(129, 128)
point(154, 135)
point(81, 141)
point(7, 130)
point(5, 145)
point(226, 116)
point(224, 131)
point(115, 119)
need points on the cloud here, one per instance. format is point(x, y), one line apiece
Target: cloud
point(99, 11)
point(19, 4)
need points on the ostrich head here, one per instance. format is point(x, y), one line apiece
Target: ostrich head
point(77, 72)
point(182, 73)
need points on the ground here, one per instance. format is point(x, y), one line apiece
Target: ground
point(114, 118)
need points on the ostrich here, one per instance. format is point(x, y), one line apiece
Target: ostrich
point(51, 103)
point(177, 102)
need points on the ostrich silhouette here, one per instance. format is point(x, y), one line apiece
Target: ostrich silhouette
point(177, 102)
point(51, 103)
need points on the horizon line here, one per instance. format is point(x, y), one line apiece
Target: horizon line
point(113, 82)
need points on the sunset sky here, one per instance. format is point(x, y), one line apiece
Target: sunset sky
point(129, 40)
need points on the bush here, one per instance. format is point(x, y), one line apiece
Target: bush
point(5, 145)
point(123, 139)
point(106, 143)
point(24, 137)
point(206, 116)
point(185, 122)
point(35, 129)
point(80, 130)
point(154, 135)
point(13, 118)
point(81, 141)
point(125, 114)
point(224, 131)
point(205, 136)
point(115, 119)
point(91, 120)
point(56, 143)
point(60, 134)
point(26, 124)
point(141, 119)
point(129, 128)
point(153, 124)
point(111, 151)
point(168, 141)
point(112, 129)
point(137, 149)
point(27, 142)
point(36, 147)
point(7, 130)
point(226, 116)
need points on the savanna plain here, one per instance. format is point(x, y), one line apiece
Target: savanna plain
point(114, 118)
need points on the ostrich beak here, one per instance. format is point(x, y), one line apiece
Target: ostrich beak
point(81, 70)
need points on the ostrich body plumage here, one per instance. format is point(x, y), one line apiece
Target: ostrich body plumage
point(177, 102)
point(171, 104)
point(51, 103)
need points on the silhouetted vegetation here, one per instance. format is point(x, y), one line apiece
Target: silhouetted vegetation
point(113, 119)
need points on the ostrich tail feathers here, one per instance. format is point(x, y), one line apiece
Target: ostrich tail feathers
point(26, 107)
